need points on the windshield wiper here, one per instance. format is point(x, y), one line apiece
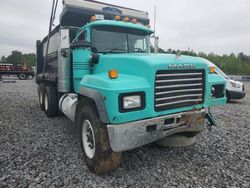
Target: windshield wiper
point(118, 50)
point(138, 50)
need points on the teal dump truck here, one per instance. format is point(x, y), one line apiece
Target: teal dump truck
point(96, 68)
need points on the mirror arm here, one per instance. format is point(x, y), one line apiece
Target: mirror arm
point(156, 38)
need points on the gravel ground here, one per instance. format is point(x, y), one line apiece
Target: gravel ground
point(39, 152)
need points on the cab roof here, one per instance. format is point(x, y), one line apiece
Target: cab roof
point(119, 24)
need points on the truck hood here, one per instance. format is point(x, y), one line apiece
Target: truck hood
point(145, 65)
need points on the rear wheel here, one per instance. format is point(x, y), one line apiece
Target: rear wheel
point(94, 140)
point(22, 76)
point(51, 101)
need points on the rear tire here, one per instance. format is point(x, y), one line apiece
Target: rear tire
point(94, 140)
point(40, 92)
point(51, 101)
point(22, 76)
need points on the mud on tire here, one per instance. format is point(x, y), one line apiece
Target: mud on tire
point(103, 160)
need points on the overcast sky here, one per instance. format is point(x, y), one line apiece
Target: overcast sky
point(221, 26)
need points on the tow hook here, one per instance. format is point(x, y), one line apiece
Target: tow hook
point(210, 120)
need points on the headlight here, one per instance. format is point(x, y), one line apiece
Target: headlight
point(234, 84)
point(131, 101)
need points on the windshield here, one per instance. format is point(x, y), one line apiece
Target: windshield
point(110, 39)
point(219, 71)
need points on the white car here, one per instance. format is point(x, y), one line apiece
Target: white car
point(235, 89)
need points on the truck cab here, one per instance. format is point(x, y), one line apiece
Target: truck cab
point(118, 94)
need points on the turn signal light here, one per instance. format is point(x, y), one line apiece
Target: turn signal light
point(212, 70)
point(93, 19)
point(126, 19)
point(113, 74)
point(117, 18)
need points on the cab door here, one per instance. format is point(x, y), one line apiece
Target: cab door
point(81, 51)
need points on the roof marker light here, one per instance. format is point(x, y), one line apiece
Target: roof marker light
point(126, 19)
point(134, 21)
point(117, 18)
point(93, 19)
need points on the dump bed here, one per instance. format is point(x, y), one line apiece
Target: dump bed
point(79, 12)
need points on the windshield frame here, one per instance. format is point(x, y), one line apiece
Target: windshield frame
point(126, 31)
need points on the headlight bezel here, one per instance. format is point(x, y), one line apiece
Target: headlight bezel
point(124, 95)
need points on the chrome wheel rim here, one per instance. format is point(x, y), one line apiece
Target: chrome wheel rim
point(46, 102)
point(40, 97)
point(88, 139)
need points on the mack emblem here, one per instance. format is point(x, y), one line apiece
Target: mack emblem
point(181, 66)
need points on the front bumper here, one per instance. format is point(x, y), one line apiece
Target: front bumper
point(128, 136)
point(236, 94)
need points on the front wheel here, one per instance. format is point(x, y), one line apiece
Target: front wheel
point(94, 140)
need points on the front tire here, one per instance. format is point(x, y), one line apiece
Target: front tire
point(94, 140)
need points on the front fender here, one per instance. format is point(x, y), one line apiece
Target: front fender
point(108, 92)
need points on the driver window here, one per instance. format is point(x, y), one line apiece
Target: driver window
point(82, 36)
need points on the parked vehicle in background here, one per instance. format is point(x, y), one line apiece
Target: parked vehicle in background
point(234, 89)
point(97, 69)
point(22, 72)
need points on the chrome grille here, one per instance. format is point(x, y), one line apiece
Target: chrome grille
point(178, 88)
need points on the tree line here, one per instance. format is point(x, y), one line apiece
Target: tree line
point(230, 64)
point(17, 57)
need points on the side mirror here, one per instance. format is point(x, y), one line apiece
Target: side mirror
point(95, 59)
point(65, 52)
point(80, 44)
